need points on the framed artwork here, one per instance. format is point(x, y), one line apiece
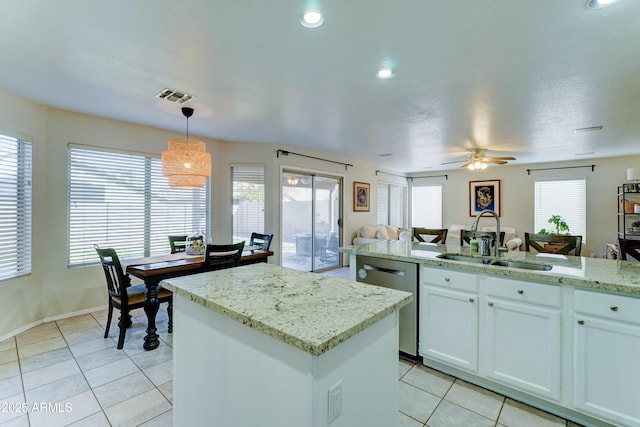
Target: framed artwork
point(361, 196)
point(484, 195)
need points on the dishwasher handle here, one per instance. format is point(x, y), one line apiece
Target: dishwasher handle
point(395, 272)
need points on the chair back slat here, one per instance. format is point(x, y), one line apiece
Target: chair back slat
point(628, 248)
point(439, 235)
point(258, 239)
point(553, 243)
point(117, 281)
point(218, 257)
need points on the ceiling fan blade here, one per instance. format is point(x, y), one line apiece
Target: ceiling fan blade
point(496, 161)
point(455, 161)
point(466, 164)
point(503, 158)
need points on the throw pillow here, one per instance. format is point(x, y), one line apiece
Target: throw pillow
point(368, 231)
point(392, 232)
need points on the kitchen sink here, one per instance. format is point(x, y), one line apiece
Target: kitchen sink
point(465, 258)
point(499, 263)
point(522, 265)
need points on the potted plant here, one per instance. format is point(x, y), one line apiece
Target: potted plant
point(560, 225)
point(635, 226)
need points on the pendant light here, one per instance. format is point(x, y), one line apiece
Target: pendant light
point(186, 163)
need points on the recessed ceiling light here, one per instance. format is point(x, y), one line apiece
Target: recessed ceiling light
point(385, 73)
point(597, 4)
point(311, 18)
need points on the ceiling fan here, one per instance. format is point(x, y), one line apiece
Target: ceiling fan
point(477, 160)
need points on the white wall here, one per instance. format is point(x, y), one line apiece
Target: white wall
point(53, 290)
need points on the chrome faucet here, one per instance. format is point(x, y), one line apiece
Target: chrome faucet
point(474, 228)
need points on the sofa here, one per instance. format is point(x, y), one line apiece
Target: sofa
point(381, 232)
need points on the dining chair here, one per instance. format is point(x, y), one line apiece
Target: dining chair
point(467, 235)
point(553, 243)
point(258, 239)
point(123, 296)
point(430, 235)
point(178, 243)
point(218, 257)
point(628, 247)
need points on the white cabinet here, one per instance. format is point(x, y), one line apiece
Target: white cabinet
point(449, 317)
point(521, 337)
point(606, 376)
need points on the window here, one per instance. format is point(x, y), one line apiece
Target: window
point(426, 206)
point(566, 198)
point(123, 201)
point(15, 207)
point(391, 204)
point(248, 201)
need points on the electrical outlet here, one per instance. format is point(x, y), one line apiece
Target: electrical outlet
point(335, 401)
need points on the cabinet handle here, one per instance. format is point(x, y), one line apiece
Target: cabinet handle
point(520, 291)
point(490, 304)
point(471, 300)
point(614, 308)
point(446, 279)
point(580, 322)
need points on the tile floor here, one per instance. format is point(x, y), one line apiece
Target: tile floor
point(68, 362)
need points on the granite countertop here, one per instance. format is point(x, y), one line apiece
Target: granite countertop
point(306, 310)
point(593, 273)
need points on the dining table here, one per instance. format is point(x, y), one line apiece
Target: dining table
point(153, 269)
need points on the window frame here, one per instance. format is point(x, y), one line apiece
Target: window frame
point(16, 207)
point(143, 208)
point(540, 219)
point(235, 236)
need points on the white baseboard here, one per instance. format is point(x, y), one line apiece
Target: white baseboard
point(50, 319)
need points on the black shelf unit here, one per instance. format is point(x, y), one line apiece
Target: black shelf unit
point(629, 211)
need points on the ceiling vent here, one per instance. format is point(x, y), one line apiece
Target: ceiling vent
point(174, 96)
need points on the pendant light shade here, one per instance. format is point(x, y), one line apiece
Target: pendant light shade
point(186, 163)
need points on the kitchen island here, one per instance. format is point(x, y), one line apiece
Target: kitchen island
point(561, 333)
point(266, 345)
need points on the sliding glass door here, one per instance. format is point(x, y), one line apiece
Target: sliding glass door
point(311, 220)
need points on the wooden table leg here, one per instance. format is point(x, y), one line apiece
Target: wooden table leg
point(151, 305)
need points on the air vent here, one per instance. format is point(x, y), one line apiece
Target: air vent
point(174, 96)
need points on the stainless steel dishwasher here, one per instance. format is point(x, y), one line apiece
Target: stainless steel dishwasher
point(402, 276)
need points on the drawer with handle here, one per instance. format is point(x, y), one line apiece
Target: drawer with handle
point(449, 279)
point(610, 306)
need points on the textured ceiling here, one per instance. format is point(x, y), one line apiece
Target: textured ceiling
point(516, 77)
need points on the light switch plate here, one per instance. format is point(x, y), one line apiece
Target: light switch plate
point(335, 401)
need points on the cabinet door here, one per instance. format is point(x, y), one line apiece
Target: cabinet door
point(449, 326)
point(523, 346)
point(606, 376)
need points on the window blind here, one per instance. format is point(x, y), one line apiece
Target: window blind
point(391, 204)
point(15, 207)
point(248, 201)
point(426, 206)
point(123, 201)
point(566, 198)
point(382, 203)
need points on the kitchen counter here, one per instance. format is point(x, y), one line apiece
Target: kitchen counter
point(593, 273)
point(278, 301)
point(266, 345)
